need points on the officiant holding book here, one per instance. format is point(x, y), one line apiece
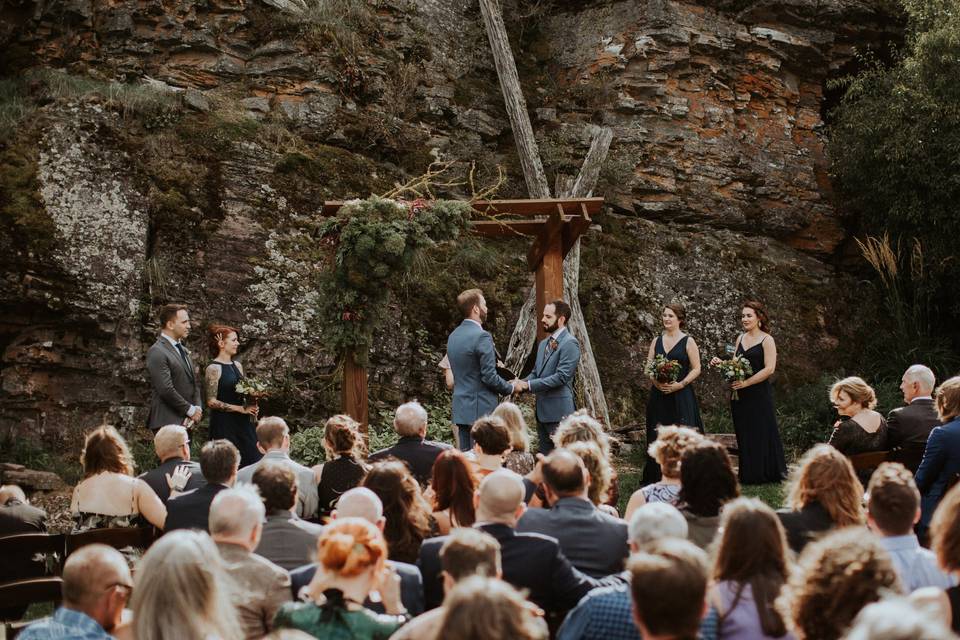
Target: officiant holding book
point(671, 400)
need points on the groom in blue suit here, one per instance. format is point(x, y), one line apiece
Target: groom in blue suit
point(552, 377)
point(473, 361)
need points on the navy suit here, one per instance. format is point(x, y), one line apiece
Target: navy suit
point(476, 383)
point(530, 561)
point(941, 462)
point(552, 381)
point(411, 586)
point(157, 478)
point(191, 510)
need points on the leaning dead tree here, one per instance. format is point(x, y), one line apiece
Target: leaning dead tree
point(525, 332)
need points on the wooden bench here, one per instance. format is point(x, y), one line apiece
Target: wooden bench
point(117, 537)
point(868, 461)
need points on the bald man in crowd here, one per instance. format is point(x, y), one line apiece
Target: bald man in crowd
point(362, 503)
point(530, 561)
point(594, 541)
point(258, 587)
point(172, 444)
point(419, 454)
point(96, 585)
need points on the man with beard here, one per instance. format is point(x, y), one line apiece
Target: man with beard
point(473, 360)
point(552, 377)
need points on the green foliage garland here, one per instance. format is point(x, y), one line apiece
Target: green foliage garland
point(377, 240)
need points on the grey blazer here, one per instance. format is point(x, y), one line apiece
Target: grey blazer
point(307, 499)
point(593, 541)
point(288, 541)
point(174, 385)
point(476, 383)
point(552, 378)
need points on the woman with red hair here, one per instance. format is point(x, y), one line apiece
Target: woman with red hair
point(351, 554)
point(230, 418)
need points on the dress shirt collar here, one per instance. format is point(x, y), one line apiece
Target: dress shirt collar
point(170, 340)
point(556, 334)
point(930, 398)
point(276, 454)
point(900, 543)
point(476, 322)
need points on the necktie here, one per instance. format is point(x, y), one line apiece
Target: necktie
point(183, 354)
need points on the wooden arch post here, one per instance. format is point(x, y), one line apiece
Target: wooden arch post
point(554, 224)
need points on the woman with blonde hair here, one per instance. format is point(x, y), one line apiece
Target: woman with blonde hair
point(109, 495)
point(518, 459)
point(344, 468)
point(941, 457)
point(580, 426)
point(482, 608)
point(600, 474)
point(180, 591)
point(824, 494)
point(860, 429)
point(666, 450)
point(352, 555)
point(836, 577)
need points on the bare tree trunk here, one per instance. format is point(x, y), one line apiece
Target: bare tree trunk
point(515, 102)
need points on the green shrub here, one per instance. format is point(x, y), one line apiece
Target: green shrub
point(306, 446)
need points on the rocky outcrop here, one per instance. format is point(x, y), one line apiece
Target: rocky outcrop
point(190, 161)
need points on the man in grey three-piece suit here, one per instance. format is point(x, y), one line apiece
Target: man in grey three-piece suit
point(552, 377)
point(473, 360)
point(176, 391)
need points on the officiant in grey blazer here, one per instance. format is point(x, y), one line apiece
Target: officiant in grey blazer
point(473, 360)
point(552, 377)
point(173, 380)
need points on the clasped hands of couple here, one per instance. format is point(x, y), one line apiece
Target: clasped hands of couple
point(519, 386)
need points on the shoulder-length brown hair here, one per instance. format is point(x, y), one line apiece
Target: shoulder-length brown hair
point(761, 310)
point(105, 450)
point(453, 485)
point(407, 512)
point(826, 476)
point(761, 564)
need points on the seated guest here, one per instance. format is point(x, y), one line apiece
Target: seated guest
point(601, 475)
point(451, 491)
point(896, 618)
point(408, 514)
point(606, 613)
point(362, 503)
point(273, 440)
point(481, 608)
point(593, 541)
point(109, 495)
point(519, 459)
point(530, 561)
point(909, 427)
point(666, 451)
point(287, 540)
point(96, 585)
point(352, 555)
point(491, 441)
point(257, 586)
point(172, 444)
point(707, 482)
point(344, 468)
point(860, 429)
point(219, 460)
point(823, 493)
point(750, 568)
point(580, 426)
point(945, 543)
point(892, 510)
point(17, 515)
point(182, 591)
point(941, 458)
point(413, 448)
point(668, 581)
point(466, 552)
point(835, 578)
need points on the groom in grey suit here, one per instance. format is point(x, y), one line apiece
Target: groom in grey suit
point(176, 392)
point(552, 377)
point(473, 360)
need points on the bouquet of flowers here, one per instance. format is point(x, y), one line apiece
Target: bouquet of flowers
point(663, 370)
point(736, 368)
point(253, 389)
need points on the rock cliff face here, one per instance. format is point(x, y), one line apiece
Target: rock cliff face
point(184, 149)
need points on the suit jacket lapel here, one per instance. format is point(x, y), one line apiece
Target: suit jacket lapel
point(548, 356)
point(188, 366)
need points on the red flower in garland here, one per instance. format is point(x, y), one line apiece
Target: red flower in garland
point(417, 206)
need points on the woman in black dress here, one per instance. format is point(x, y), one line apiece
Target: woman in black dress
point(229, 418)
point(859, 429)
point(344, 468)
point(754, 419)
point(672, 402)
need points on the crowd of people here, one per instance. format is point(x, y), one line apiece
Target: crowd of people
point(488, 540)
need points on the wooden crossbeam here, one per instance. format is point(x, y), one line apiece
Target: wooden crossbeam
point(549, 235)
point(508, 227)
point(577, 226)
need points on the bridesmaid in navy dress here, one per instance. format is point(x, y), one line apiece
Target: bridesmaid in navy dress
point(672, 402)
point(229, 418)
point(754, 418)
